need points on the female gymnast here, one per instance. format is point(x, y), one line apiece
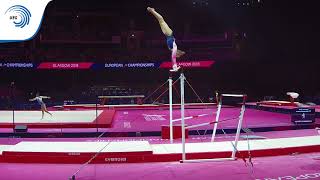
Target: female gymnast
point(175, 52)
point(39, 98)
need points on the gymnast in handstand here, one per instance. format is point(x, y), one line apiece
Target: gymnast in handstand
point(175, 52)
point(39, 98)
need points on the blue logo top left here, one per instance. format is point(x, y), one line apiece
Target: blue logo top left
point(19, 15)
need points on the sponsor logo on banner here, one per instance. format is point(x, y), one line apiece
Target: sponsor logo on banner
point(65, 65)
point(16, 65)
point(20, 20)
point(189, 64)
point(131, 65)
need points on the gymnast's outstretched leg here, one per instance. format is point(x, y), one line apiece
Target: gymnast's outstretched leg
point(44, 109)
point(166, 30)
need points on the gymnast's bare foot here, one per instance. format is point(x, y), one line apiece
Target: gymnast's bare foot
point(150, 9)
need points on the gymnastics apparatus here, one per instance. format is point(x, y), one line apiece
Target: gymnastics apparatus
point(175, 68)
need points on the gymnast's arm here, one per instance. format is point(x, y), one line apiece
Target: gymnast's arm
point(174, 53)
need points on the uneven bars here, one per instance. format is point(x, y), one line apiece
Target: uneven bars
point(190, 117)
point(234, 95)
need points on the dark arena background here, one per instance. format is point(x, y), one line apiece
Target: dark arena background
point(90, 95)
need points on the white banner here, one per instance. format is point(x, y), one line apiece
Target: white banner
point(20, 20)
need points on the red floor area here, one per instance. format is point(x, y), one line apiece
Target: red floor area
point(296, 166)
point(152, 120)
point(148, 156)
point(141, 157)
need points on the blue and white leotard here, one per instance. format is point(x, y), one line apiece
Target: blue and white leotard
point(39, 100)
point(170, 41)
